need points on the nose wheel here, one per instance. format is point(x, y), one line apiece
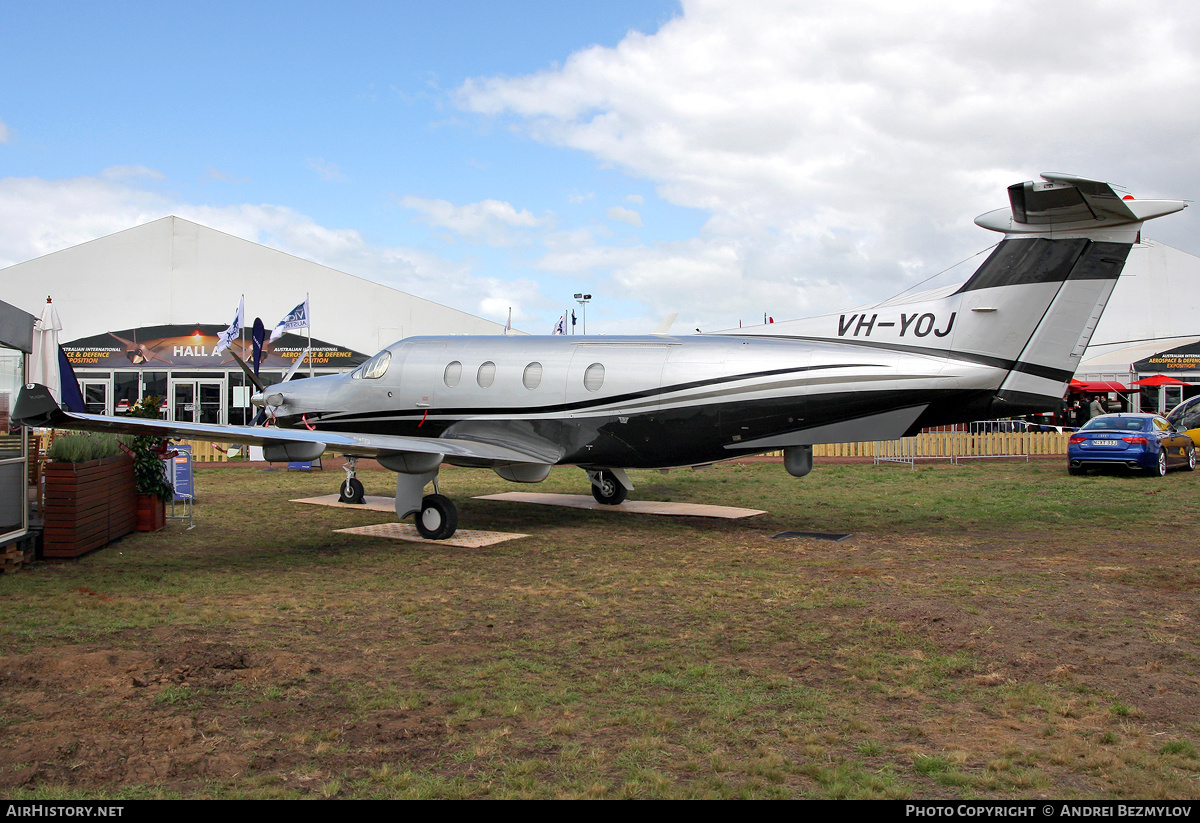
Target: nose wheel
point(351, 490)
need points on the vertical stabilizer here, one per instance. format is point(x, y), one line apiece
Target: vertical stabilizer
point(1030, 309)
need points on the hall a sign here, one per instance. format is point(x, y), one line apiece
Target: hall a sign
point(160, 348)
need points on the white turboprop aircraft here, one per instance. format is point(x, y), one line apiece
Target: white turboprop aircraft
point(1004, 343)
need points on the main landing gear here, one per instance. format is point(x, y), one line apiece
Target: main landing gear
point(609, 486)
point(438, 518)
point(436, 515)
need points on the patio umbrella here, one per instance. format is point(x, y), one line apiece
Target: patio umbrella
point(1159, 380)
point(43, 365)
point(1097, 386)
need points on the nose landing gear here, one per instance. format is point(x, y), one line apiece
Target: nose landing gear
point(351, 490)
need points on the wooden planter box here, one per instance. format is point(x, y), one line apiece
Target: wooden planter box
point(88, 505)
point(151, 513)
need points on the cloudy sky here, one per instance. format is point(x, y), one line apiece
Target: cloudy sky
point(719, 159)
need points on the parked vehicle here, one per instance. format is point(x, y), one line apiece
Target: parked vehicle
point(1186, 417)
point(1146, 442)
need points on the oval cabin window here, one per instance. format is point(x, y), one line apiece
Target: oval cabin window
point(486, 375)
point(453, 374)
point(593, 378)
point(533, 376)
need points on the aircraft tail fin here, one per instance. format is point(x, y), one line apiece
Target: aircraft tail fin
point(1066, 242)
point(1027, 313)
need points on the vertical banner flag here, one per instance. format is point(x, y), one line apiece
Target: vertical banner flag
point(297, 318)
point(235, 328)
point(257, 336)
point(561, 326)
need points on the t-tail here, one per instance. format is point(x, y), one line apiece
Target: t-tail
point(1027, 313)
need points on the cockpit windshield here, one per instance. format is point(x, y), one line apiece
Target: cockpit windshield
point(374, 368)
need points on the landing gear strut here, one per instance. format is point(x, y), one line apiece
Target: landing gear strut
point(351, 490)
point(436, 515)
point(607, 488)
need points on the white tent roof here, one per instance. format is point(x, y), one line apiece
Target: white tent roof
point(174, 271)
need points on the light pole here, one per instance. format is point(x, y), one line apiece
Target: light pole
point(583, 301)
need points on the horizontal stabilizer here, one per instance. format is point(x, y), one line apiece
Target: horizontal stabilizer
point(1064, 202)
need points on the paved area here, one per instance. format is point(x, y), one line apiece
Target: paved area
point(463, 538)
point(586, 501)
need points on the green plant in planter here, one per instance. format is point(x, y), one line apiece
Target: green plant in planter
point(80, 447)
point(148, 471)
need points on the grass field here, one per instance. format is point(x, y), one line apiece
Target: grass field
point(993, 630)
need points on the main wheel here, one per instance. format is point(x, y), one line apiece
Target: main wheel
point(438, 518)
point(1191, 459)
point(351, 491)
point(1161, 469)
point(608, 490)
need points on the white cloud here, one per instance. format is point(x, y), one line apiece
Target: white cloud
point(223, 176)
point(488, 221)
point(131, 173)
point(39, 216)
point(5, 134)
point(329, 172)
point(831, 141)
point(624, 215)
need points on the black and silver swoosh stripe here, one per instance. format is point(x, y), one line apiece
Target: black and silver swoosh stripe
point(598, 402)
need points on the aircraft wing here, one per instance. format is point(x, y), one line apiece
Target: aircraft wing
point(36, 407)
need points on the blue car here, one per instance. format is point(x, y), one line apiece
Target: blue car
point(1146, 442)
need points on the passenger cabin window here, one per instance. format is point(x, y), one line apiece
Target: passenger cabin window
point(486, 375)
point(453, 374)
point(593, 378)
point(532, 378)
point(374, 368)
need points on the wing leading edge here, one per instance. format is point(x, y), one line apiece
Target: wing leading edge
point(36, 407)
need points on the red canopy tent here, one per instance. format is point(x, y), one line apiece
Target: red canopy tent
point(1097, 386)
point(1159, 380)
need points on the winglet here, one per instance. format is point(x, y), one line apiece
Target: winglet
point(35, 406)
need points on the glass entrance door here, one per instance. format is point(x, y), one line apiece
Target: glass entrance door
point(198, 401)
point(95, 396)
point(1172, 397)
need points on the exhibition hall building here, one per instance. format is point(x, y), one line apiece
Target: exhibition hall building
point(141, 310)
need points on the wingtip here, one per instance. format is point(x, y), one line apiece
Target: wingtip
point(35, 406)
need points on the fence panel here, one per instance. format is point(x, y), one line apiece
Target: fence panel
point(204, 451)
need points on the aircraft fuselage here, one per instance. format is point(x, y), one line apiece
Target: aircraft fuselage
point(641, 402)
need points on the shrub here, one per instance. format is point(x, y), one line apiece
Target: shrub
point(79, 447)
